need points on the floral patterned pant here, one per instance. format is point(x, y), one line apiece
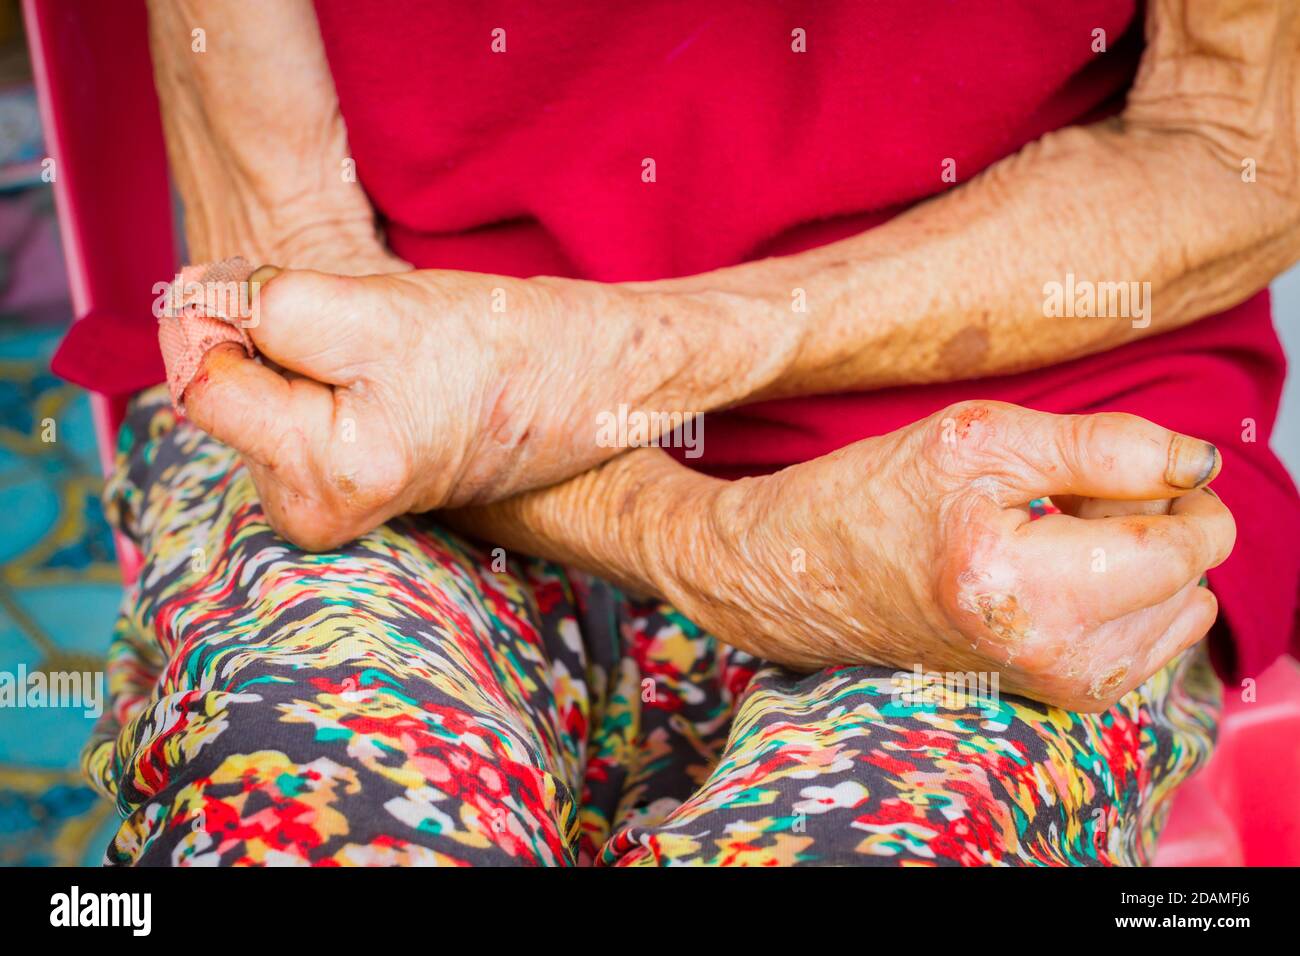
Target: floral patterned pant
point(416, 699)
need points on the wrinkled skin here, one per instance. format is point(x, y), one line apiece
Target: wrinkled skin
point(910, 550)
point(407, 392)
point(914, 550)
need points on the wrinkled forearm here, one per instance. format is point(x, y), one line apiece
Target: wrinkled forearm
point(254, 137)
point(1194, 189)
point(976, 282)
point(640, 520)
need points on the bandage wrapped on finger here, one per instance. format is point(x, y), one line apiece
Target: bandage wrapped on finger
point(207, 305)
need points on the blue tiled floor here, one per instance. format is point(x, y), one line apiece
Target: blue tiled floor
point(59, 589)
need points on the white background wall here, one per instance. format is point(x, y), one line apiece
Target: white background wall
point(1286, 316)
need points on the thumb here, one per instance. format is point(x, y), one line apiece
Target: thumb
point(311, 322)
point(1107, 455)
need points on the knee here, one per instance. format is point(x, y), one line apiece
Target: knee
point(280, 774)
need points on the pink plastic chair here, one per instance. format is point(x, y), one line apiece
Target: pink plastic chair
point(100, 114)
point(100, 111)
point(1243, 809)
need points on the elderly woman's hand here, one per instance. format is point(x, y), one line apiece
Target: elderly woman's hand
point(916, 548)
point(421, 390)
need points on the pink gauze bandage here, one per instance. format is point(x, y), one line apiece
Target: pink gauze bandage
point(206, 305)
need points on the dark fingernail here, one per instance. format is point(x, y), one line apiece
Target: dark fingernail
point(1191, 462)
point(264, 274)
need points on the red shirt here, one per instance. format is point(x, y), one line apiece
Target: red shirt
point(529, 161)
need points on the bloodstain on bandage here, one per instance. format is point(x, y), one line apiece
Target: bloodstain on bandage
point(206, 306)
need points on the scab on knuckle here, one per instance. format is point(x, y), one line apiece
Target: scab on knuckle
point(973, 418)
point(968, 408)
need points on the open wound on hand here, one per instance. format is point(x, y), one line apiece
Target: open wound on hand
point(207, 304)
